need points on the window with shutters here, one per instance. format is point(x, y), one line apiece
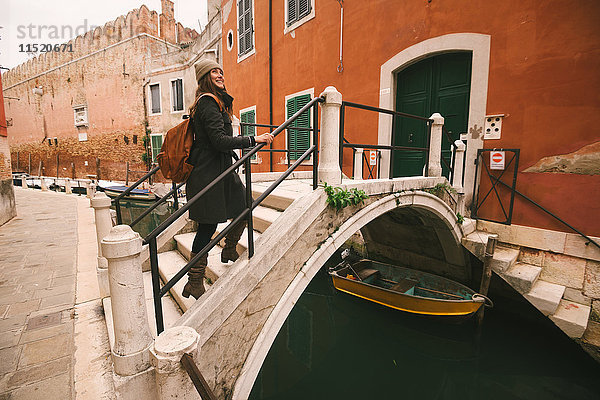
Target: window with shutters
point(298, 12)
point(155, 98)
point(298, 141)
point(156, 141)
point(248, 115)
point(177, 95)
point(245, 25)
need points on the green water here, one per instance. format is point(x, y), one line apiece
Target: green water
point(131, 209)
point(337, 346)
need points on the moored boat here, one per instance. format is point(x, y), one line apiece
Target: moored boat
point(406, 289)
point(135, 194)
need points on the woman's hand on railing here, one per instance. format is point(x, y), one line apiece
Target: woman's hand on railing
point(264, 138)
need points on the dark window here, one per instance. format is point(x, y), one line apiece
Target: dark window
point(297, 9)
point(245, 27)
point(155, 98)
point(298, 140)
point(177, 94)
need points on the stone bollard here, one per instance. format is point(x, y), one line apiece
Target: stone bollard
point(68, 189)
point(358, 164)
point(24, 183)
point(90, 189)
point(122, 249)
point(101, 205)
point(435, 146)
point(329, 149)
point(43, 185)
point(172, 381)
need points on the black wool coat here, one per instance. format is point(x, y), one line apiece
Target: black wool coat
point(211, 155)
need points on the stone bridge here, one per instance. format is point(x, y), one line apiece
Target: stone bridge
point(239, 318)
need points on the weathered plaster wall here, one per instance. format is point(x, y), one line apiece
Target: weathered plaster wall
point(543, 77)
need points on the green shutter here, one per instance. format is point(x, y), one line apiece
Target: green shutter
point(156, 141)
point(298, 141)
point(249, 117)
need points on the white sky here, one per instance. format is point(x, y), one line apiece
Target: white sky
point(17, 15)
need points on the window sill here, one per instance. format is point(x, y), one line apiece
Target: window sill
point(295, 25)
point(247, 55)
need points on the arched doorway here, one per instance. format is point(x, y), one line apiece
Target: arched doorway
point(441, 83)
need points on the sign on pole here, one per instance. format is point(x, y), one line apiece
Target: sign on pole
point(497, 159)
point(373, 157)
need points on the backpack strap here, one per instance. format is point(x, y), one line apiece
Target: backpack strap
point(219, 102)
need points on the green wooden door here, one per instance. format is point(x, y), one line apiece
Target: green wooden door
point(437, 84)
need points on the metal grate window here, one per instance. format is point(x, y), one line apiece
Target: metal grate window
point(297, 9)
point(177, 94)
point(298, 140)
point(245, 27)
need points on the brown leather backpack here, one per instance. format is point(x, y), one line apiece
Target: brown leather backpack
point(174, 155)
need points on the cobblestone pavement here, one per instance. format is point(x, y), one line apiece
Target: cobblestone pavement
point(38, 297)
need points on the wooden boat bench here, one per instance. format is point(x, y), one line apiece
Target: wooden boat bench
point(406, 286)
point(369, 274)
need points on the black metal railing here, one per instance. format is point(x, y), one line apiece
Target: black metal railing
point(344, 144)
point(496, 181)
point(151, 239)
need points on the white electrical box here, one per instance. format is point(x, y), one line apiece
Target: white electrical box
point(493, 126)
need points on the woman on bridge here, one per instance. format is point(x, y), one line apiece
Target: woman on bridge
point(211, 155)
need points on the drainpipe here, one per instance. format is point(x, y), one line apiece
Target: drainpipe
point(270, 79)
point(146, 82)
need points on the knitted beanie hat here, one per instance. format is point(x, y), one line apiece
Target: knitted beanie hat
point(203, 67)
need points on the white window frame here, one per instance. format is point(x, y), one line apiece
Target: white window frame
point(257, 159)
point(152, 155)
point(311, 92)
point(242, 57)
point(150, 98)
point(173, 98)
point(84, 121)
point(306, 18)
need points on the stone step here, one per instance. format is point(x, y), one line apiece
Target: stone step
point(572, 318)
point(469, 226)
point(184, 241)
point(545, 296)
point(279, 199)
point(263, 217)
point(171, 311)
point(504, 258)
point(522, 276)
point(170, 263)
point(475, 242)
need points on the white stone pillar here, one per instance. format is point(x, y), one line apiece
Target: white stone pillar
point(101, 205)
point(172, 381)
point(24, 182)
point(358, 164)
point(68, 189)
point(90, 189)
point(122, 249)
point(435, 146)
point(459, 159)
point(43, 185)
point(329, 151)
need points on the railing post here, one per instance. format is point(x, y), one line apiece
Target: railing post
point(172, 381)
point(434, 167)
point(101, 205)
point(329, 146)
point(358, 164)
point(133, 339)
point(457, 176)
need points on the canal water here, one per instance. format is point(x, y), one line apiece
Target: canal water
point(131, 209)
point(337, 346)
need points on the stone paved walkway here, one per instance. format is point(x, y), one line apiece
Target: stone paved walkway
point(49, 306)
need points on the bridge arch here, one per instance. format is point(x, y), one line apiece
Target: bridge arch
point(422, 202)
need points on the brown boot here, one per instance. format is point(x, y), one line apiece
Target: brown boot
point(229, 252)
point(195, 283)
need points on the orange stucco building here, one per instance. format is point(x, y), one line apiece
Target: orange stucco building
point(531, 64)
